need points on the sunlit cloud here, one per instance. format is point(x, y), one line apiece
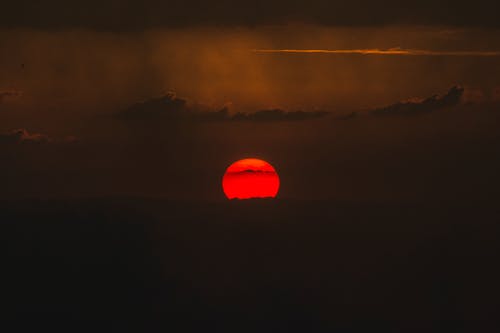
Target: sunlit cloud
point(391, 51)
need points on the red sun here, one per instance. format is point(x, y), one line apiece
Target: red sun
point(250, 178)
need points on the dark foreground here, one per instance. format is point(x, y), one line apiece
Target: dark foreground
point(133, 265)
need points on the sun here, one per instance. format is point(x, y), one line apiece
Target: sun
point(250, 178)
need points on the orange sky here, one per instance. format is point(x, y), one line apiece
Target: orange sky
point(68, 86)
point(217, 67)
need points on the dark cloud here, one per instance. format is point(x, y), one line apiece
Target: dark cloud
point(135, 15)
point(277, 115)
point(348, 116)
point(171, 108)
point(11, 93)
point(427, 105)
point(269, 115)
point(168, 107)
point(22, 136)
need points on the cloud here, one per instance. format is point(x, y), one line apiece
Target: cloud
point(427, 105)
point(277, 115)
point(387, 52)
point(173, 109)
point(347, 116)
point(168, 106)
point(22, 136)
point(267, 115)
point(11, 93)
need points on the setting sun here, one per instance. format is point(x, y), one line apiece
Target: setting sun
point(250, 178)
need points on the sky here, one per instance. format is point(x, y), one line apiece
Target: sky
point(133, 15)
point(348, 101)
point(119, 118)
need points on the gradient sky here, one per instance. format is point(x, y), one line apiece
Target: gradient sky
point(157, 98)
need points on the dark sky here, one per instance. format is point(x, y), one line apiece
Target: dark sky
point(138, 15)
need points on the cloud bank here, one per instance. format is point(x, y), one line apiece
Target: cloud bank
point(430, 104)
point(171, 108)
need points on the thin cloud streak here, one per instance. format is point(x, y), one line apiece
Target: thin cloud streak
point(392, 51)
